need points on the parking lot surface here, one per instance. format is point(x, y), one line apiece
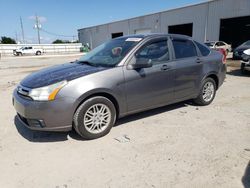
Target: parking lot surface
point(181, 145)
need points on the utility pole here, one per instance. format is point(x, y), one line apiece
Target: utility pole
point(21, 22)
point(38, 27)
point(16, 37)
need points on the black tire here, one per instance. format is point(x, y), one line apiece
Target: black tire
point(242, 68)
point(38, 53)
point(19, 54)
point(78, 120)
point(200, 100)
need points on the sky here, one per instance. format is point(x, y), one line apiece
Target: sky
point(60, 19)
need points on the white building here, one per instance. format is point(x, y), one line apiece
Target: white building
point(226, 20)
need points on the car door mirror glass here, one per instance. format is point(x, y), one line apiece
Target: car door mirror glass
point(142, 63)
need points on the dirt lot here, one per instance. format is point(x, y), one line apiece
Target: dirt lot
point(181, 145)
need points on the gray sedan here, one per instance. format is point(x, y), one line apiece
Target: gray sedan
point(123, 76)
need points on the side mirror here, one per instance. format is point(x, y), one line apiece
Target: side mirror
point(142, 63)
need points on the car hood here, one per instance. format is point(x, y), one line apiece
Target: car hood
point(241, 48)
point(51, 75)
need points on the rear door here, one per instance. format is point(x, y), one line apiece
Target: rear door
point(150, 87)
point(188, 68)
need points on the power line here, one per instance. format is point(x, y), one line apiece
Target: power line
point(58, 35)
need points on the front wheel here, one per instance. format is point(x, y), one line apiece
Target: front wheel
point(94, 118)
point(207, 92)
point(38, 53)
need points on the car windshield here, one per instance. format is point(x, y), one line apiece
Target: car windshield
point(110, 53)
point(210, 44)
point(247, 43)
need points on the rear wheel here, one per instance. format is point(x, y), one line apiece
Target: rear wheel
point(207, 92)
point(94, 118)
point(38, 53)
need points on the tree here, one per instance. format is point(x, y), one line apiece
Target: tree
point(59, 41)
point(7, 40)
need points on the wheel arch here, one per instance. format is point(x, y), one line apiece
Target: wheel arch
point(214, 76)
point(105, 94)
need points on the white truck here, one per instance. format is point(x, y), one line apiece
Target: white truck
point(28, 50)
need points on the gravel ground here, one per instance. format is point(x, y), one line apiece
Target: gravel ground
point(181, 145)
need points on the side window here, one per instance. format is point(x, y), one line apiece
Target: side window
point(203, 49)
point(156, 51)
point(184, 48)
point(30, 48)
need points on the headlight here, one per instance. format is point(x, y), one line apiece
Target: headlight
point(47, 93)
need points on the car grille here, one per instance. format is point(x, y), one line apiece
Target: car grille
point(32, 122)
point(23, 119)
point(23, 92)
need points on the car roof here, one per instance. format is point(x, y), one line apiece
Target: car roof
point(154, 35)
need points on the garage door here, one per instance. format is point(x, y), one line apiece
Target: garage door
point(116, 35)
point(183, 29)
point(235, 31)
point(142, 31)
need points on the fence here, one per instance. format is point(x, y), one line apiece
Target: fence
point(7, 49)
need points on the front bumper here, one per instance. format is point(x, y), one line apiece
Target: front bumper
point(44, 116)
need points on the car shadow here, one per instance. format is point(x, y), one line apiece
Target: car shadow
point(41, 136)
point(237, 72)
point(246, 177)
point(153, 112)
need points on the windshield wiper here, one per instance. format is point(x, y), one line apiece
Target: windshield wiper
point(86, 62)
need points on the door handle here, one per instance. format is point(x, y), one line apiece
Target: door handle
point(165, 67)
point(198, 60)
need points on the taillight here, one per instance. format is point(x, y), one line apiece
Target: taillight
point(224, 53)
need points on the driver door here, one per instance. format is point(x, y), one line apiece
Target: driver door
point(150, 87)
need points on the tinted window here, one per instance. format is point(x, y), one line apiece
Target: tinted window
point(156, 51)
point(184, 48)
point(203, 49)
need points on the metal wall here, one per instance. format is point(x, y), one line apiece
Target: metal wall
point(204, 16)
